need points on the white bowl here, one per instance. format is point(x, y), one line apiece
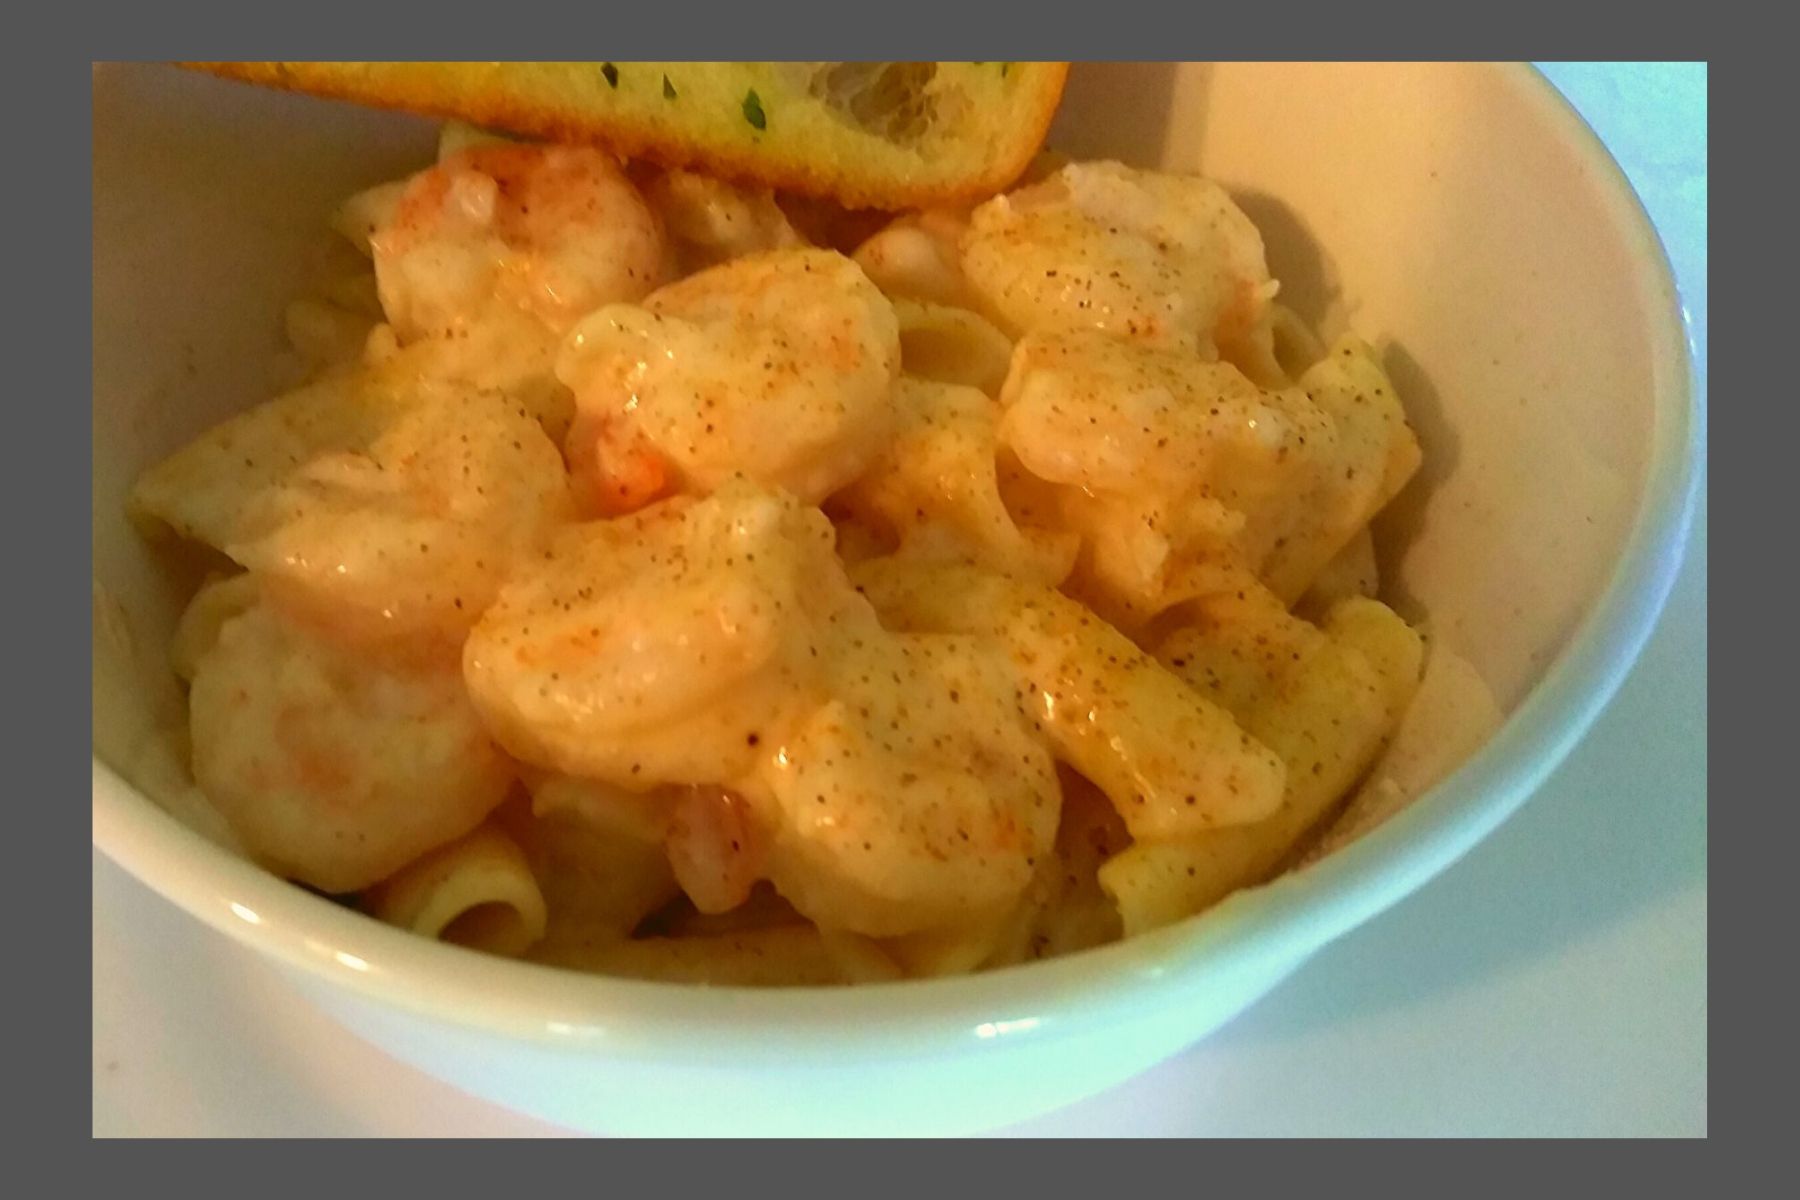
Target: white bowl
point(1461, 214)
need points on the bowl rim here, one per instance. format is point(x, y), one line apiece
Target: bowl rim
point(1261, 933)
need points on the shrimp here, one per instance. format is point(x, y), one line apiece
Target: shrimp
point(379, 503)
point(667, 647)
point(776, 367)
point(337, 768)
point(1155, 257)
point(709, 220)
point(1164, 460)
point(917, 257)
point(555, 231)
point(918, 798)
point(413, 532)
point(717, 847)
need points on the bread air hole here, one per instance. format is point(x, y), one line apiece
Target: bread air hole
point(892, 100)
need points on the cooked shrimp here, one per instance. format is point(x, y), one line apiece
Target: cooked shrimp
point(1160, 258)
point(556, 231)
point(709, 220)
point(776, 367)
point(377, 502)
point(717, 847)
point(919, 797)
point(1164, 458)
point(414, 531)
point(335, 769)
point(917, 258)
point(614, 468)
point(668, 647)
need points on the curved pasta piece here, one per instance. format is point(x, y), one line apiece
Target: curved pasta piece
point(634, 816)
point(951, 345)
point(938, 487)
point(1325, 699)
point(332, 767)
point(1171, 762)
point(1451, 716)
point(1066, 909)
point(669, 647)
point(1161, 258)
point(968, 945)
point(596, 853)
point(478, 892)
point(776, 367)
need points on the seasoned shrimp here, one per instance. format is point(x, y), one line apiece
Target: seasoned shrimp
point(1167, 462)
point(918, 798)
point(555, 231)
point(668, 647)
point(917, 258)
point(1160, 258)
point(332, 767)
point(1164, 459)
point(376, 502)
point(776, 367)
point(709, 220)
point(419, 529)
point(717, 847)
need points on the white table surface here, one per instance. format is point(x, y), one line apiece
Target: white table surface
point(1553, 982)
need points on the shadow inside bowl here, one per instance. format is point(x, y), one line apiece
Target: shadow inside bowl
point(1309, 279)
point(1136, 133)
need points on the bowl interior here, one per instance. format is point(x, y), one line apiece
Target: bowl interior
point(1451, 214)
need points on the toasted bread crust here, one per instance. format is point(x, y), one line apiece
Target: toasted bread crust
point(786, 167)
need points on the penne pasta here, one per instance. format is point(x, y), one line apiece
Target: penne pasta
point(477, 892)
point(1327, 710)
